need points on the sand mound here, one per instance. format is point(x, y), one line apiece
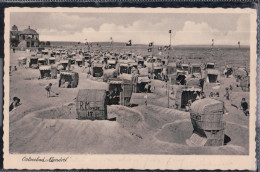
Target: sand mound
point(129, 119)
point(164, 130)
point(180, 130)
point(64, 112)
point(156, 116)
point(50, 127)
point(60, 135)
point(176, 132)
point(239, 135)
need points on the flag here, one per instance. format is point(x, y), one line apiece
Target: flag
point(170, 31)
point(150, 44)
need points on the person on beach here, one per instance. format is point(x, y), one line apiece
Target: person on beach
point(202, 95)
point(227, 94)
point(149, 87)
point(145, 98)
point(10, 70)
point(230, 87)
point(244, 106)
point(187, 107)
point(48, 89)
point(15, 103)
point(146, 88)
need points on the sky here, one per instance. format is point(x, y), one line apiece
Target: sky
point(187, 29)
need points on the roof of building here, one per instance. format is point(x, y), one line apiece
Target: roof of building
point(203, 106)
point(22, 58)
point(67, 73)
point(213, 72)
point(45, 68)
point(97, 65)
point(92, 95)
point(111, 62)
point(123, 64)
point(29, 31)
point(125, 76)
point(172, 64)
point(157, 67)
point(42, 59)
point(184, 64)
point(132, 63)
point(64, 61)
point(79, 59)
point(143, 79)
point(196, 65)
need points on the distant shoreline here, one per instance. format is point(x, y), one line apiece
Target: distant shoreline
point(116, 44)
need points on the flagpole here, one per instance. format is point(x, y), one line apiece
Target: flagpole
point(170, 32)
point(168, 80)
point(111, 43)
point(170, 40)
point(152, 63)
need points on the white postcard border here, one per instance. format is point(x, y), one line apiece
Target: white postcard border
point(126, 161)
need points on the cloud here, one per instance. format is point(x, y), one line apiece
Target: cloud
point(195, 33)
point(242, 32)
point(202, 33)
point(139, 31)
point(75, 28)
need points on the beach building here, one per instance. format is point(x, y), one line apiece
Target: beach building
point(24, 39)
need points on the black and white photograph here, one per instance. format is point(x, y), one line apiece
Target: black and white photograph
point(125, 82)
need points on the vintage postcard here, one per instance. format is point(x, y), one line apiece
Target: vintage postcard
point(130, 88)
